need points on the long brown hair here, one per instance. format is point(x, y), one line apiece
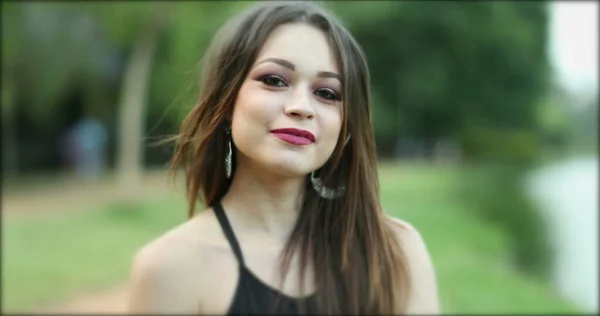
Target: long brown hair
point(358, 264)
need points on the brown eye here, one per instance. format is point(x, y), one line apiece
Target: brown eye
point(273, 81)
point(328, 94)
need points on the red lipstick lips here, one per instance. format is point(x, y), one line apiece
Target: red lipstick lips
point(294, 136)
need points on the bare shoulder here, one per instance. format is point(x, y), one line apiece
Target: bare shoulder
point(406, 233)
point(413, 245)
point(424, 292)
point(398, 224)
point(166, 272)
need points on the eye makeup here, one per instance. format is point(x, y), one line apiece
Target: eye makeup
point(273, 76)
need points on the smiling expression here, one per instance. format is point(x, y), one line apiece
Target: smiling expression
point(288, 112)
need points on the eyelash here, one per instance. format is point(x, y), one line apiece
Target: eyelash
point(331, 94)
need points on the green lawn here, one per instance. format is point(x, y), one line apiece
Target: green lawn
point(52, 256)
point(470, 255)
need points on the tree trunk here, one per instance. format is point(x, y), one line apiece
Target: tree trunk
point(132, 106)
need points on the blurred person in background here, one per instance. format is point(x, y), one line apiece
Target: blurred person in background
point(84, 148)
point(280, 149)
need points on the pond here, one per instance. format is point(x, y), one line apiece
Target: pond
point(567, 193)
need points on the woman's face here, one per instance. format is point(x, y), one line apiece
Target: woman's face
point(288, 112)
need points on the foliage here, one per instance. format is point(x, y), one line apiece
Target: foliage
point(448, 66)
point(177, 68)
point(447, 70)
point(496, 193)
point(452, 69)
point(55, 48)
point(520, 147)
point(471, 254)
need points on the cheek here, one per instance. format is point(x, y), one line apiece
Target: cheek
point(253, 111)
point(252, 105)
point(331, 125)
point(244, 113)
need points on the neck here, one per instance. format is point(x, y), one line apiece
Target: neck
point(264, 201)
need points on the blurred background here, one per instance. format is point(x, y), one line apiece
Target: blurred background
point(486, 126)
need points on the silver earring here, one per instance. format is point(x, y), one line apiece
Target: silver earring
point(323, 191)
point(228, 161)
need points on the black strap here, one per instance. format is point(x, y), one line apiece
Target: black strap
point(228, 231)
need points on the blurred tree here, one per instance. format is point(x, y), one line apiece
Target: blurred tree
point(175, 77)
point(49, 51)
point(553, 122)
point(61, 48)
point(9, 136)
point(450, 67)
point(475, 72)
point(81, 58)
point(446, 70)
point(174, 81)
point(133, 99)
point(10, 50)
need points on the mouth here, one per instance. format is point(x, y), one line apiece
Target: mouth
point(294, 136)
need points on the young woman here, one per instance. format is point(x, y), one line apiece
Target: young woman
point(280, 149)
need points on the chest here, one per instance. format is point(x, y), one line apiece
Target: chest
point(225, 283)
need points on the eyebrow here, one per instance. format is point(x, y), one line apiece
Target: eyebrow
point(292, 67)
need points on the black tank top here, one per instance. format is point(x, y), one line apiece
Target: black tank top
point(252, 296)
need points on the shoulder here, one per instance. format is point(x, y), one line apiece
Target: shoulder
point(407, 234)
point(176, 242)
point(167, 271)
point(413, 246)
point(424, 294)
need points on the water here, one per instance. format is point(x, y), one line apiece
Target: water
point(567, 193)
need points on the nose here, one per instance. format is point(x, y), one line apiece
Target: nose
point(299, 106)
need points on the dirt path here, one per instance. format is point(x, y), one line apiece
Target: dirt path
point(69, 194)
point(111, 301)
point(65, 194)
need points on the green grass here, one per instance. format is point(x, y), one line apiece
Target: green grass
point(52, 256)
point(471, 256)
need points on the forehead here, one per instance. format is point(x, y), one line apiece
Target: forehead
point(304, 45)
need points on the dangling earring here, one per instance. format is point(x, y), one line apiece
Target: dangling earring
point(323, 191)
point(228, 158)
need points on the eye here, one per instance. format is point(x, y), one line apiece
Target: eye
point(328, 94)
point(273, 81)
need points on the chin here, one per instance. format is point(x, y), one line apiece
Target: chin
point(284, 162)
point(290, 169)
point(288, 164)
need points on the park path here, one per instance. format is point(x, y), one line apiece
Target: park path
point(35, 196)
point(109, 301)
point(65, 193)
